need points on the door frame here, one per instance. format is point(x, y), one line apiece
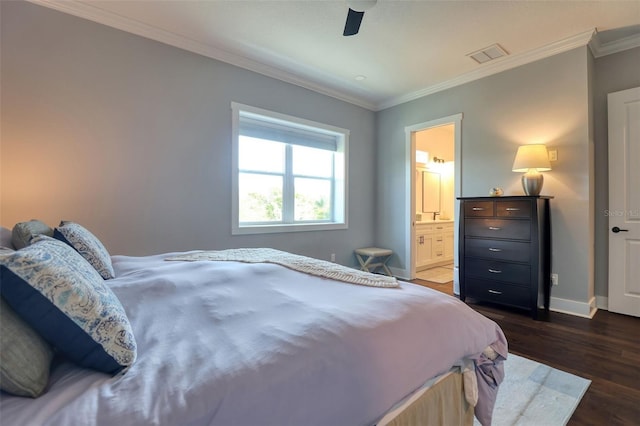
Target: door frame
point(410, 205)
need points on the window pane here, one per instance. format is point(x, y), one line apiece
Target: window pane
point(312, 161)
point(291, 173)
point(313, 199)
point(260, 198)
point(261, 155)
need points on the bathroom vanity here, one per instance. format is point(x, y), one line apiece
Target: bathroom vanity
point(434, 243)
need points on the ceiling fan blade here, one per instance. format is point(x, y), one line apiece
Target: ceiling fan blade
point(354, 19)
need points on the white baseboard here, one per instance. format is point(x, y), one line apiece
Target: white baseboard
point(401, 274)
point(573, 307)
point(602, 302)
point(556, 304)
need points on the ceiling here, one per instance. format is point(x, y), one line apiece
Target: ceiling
point(404, 50)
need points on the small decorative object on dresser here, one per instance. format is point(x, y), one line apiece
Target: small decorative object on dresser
point(496, 192)
point(505, 250)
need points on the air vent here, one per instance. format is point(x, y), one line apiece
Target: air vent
point(488, 54)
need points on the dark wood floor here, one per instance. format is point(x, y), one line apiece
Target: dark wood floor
point(605, 350)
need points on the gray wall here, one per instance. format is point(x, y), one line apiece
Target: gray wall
point(132, 138)
point(154, 123)
point(545, 102)
point(613, 73)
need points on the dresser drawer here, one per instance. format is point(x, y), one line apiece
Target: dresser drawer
point(479, 209)
point(514, 273)
point(498, 249)
point(513, 209)
point(498, 292)
point(498, 228)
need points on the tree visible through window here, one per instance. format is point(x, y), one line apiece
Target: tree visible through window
point(289, 172)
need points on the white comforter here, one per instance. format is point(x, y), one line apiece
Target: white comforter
point(226, 343)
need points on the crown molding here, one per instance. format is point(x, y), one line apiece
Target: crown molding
point(494, 67)
point(87, 11)
point(603, 49)
point(101, 16)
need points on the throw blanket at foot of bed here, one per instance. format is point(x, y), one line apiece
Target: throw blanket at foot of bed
point(307, 265)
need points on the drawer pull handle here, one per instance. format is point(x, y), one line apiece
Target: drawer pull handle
point(494, 228)
point(495, 271)
point(512, 209)
point(478, 209)
point(495, 292)
point(494, 249)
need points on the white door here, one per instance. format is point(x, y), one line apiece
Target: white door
point(624, 202)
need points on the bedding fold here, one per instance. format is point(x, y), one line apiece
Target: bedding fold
point(490, 373)
point(307, 265)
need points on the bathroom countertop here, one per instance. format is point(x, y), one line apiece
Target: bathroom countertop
point(427, 222)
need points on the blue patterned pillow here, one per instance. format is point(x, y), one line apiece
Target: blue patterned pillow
point(88, 245)
point(54, 290)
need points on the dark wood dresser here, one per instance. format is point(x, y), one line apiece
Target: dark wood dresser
point(505, 250)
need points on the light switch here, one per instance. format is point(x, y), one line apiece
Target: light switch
point(553, 155)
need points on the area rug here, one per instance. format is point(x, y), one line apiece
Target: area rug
point(536, 394)
point(439, 274)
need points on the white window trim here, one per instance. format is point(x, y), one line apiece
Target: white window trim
point(341, 186)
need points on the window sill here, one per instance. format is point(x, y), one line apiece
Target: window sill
point(280, 228)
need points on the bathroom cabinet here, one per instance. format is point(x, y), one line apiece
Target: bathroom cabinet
point(434, 244)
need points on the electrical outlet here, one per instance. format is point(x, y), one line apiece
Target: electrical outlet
point(333, 257)
point(554, 279)
point(553, 155)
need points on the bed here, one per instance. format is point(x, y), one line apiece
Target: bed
point(222, 342)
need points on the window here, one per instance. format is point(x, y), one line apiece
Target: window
point(289, 173)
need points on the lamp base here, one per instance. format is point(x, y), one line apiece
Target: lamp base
point(532, 183)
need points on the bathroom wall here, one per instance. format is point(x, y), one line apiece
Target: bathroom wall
point(439, 143)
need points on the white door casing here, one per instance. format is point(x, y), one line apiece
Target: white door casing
point(624, 202)
point(410, 190)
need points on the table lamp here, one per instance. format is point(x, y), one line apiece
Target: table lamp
point(532, 159)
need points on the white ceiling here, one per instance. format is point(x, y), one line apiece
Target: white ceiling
point(406, 49)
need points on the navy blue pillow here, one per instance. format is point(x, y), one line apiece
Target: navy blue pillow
point(58, 293)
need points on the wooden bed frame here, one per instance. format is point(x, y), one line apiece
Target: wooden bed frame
point(443, 403)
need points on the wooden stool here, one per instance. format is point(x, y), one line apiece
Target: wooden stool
point(376, 258)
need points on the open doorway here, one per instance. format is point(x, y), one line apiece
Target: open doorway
point(434, 150)
point(435, 203)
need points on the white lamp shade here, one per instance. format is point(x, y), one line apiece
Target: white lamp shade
point(531, 157)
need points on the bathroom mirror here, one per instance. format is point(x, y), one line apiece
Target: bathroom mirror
point(430, 192)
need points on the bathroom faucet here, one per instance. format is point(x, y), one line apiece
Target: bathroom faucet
point(435, 214)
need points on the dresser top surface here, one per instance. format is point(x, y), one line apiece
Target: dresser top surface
point(509, 197)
